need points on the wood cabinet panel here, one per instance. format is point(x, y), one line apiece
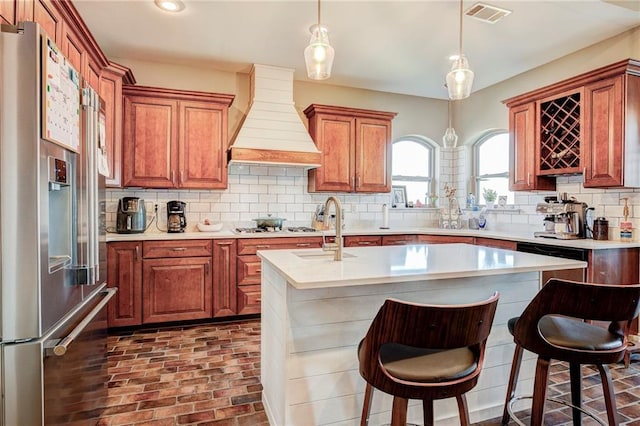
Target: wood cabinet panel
point(249, 270)
point(252, 245)
point(248, 299)
point(72, 47)
point(111, 92)
point(91, 73)
point(355, 146)
point(45, 14)
point(176, 289)
point(8, 11)
point(603, 133)
point(444, 239)
point(24, 10)
point(203, 145)
point(177, 248)
point(522, 152)
point(614, 266)
point(124, 271)
point(495, 243)
point(399, 240)
point(362, 240)
point(224, 278)
point(150, 133)
point(373, 155)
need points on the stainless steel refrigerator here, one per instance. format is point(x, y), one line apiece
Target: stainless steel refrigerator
point(53, 290)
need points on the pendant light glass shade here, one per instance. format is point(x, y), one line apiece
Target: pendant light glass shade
point(459, 79)
point(318, 55)
point(450, 139)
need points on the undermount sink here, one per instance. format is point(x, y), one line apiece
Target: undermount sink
point(326, 255)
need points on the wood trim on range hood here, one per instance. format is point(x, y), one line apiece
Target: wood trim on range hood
point(272, 131)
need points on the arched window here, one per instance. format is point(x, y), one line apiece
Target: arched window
point(414, 164)
point(491, 165)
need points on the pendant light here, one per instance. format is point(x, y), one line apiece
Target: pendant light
point(318, 55)
point(460, 78)
point(450, 139)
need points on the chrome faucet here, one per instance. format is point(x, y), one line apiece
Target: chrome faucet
point(337, 245)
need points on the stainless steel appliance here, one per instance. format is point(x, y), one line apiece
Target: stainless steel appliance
point(557, 251)
point(567, 218)
point(52, 222)
point(131, 217)
point(256, 230)
point(176, 219)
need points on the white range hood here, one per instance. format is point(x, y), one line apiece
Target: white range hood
point(273, 132)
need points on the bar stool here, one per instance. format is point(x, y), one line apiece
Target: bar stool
point(555, 326)
point(426, 352)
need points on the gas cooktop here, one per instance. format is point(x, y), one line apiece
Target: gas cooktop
point(273, 230)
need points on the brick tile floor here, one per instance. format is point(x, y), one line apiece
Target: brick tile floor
point(209, 374)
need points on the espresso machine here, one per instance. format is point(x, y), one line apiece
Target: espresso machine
point(564, 220)
point(176, 219)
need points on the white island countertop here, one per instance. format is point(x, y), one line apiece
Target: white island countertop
point(313, 268)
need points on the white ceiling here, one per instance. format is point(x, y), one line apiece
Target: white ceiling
point(393, 46)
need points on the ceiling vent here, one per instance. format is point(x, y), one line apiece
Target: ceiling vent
point(487, 13)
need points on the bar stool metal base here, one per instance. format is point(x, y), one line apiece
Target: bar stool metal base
point(557, 401)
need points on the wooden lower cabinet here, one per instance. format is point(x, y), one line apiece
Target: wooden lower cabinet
point(495, 243)
point(224, 278)
point(124, 271)
point(399, 240)
point(614, 266)
point(176, 289)
point(444, 239)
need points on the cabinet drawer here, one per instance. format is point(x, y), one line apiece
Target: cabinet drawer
point(251, 246)
point(176, 248)
point(492, 242)
point(362, 241)
point(399, 240)
point(249, 270)
point(444, 239)
point(248, 299)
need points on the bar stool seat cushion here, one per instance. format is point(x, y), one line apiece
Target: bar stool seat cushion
point(423, 365)
point(576, 334)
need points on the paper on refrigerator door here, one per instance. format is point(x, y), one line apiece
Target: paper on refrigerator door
point(103, 159)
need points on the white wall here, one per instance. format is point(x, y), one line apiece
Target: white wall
point(257, 190)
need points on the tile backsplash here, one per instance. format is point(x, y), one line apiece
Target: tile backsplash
point(257, 190)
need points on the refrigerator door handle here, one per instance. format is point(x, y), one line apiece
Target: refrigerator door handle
point(59, 348)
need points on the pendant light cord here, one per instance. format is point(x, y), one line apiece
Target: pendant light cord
point(318, 14)
point(449, 111)
point(460, 45)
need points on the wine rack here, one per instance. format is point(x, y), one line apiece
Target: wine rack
point(560, 135)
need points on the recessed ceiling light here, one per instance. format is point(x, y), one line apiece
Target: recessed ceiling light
point(170, 5)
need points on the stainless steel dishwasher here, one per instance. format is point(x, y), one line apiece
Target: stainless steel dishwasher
point(558, 251)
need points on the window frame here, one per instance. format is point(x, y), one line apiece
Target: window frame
point(433, 149)
point(476, 178)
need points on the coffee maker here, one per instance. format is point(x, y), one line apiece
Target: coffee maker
point(132, 216)
point(564, 220)
point(176, 219)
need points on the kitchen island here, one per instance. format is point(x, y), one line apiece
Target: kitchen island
point(316, 310)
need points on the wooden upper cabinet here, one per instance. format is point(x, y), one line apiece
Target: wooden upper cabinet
point(174, 139)
point(150, 138)
point(72, 47)
point(8, 12)
point(112, 78)
point(612, 107)
point(355, 148)
point(203, 145)
point(586, 124)
point(49, 18)
point(522, 150)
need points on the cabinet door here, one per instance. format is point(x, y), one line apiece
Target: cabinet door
point(373, 155)
point(248, 299)
point(603, 133)
point(91, 73)
point(111, 93)
point(522, 151)
point(224, 278)
point(202, 145)
point(45, 14)
point(614, 266)
point(124, 271)
point(334, 136)
point(8, 12)
point(176, 289)
point(71, 47)
point(150, 132)
point(249, 270)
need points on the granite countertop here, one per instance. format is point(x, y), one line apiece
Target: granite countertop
point(506, 234)
point(314, 268)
